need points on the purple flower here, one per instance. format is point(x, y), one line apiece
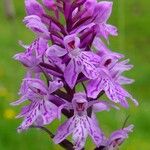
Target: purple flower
point(110, 76)
point(79, 60)
point(107, 56)
point(70, 53)
point(35, 23)
point(110, 60)
point(49, 4)
point(34, 8)
point(108, 82)
point(117, 138)
point(41, 110)
point(100, 12)
point(33, 55)
point(104, 10)
point(81, 125)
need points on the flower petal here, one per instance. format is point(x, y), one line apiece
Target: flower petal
point(29, 118)
point(71, 42)
point(94, 131)
point(64, 130)
point(34, 8)
point(103, 105)
point(119, 136)
point(23, 59)
point(55, 85)
point(38, 112)
point(18, 102)
point(122, 66)
point(105, 30)
point(89, 62)
point(80, 133)
point(50, 4)
point(47, 113)
point(95, 86)
point(56, 51)
point(110, 90)
point(104, 51)
point(34, 23)
point(103, 11)
point(37, 86)
point(41, 46)
point(124, 80)
point(82, 28)
point(71, 72)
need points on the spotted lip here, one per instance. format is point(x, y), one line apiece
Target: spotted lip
point(80, 107)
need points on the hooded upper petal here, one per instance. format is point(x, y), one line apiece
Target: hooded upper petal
point(37, 86)
point(117, 137)
point(71, 42)
point(34, 8)
point(103, 11)
point(34, 23)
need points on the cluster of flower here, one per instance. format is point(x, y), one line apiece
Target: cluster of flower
point(70, 49)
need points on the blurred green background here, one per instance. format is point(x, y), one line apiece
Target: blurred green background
point(132, 17)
